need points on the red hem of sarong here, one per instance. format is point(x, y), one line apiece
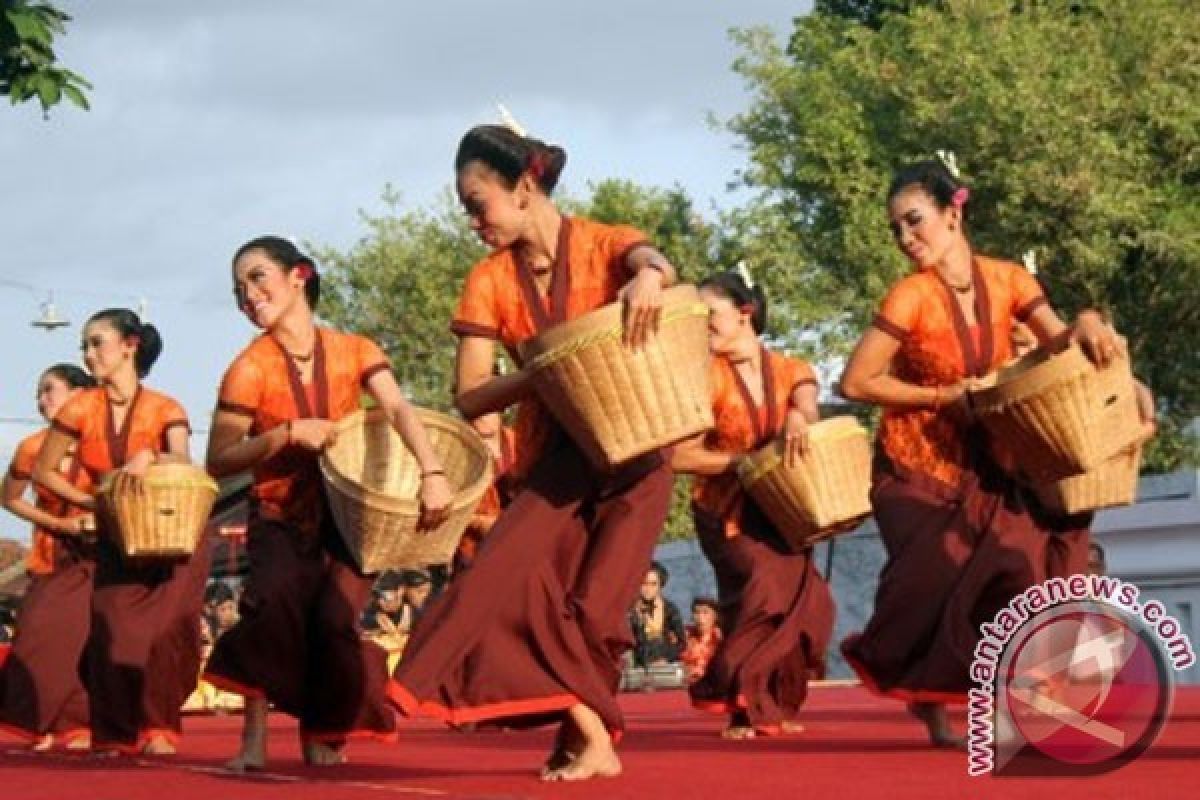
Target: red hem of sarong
point(387, 737)
point(904, 695)
point(19, 732)
point(410, 706)
point(230, 685)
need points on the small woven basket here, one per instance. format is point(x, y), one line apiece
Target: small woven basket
point(161, 516)
point(1058, 413)
point(618, 403)
point(825, 494)
point(373, 482)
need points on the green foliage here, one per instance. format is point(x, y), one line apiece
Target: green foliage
point(1078, 133)
point(399, 286)
point(28, 65)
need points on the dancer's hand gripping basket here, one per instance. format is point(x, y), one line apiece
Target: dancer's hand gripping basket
point(826, 493)
point(618, 402)
point(1058, 413)
point(160, 515)
point(373, 484)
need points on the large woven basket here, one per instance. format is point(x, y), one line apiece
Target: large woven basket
point(165, 518)
point(1112, 483)
point(616, 402)
point(1058, 413)
point(825, 494)
point(373, 482)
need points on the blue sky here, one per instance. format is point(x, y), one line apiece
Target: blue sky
point(215, 122)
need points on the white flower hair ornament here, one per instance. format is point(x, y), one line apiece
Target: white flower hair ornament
point(509, 121)
point(744, 273)
point(950, 162)
point(1030, 262)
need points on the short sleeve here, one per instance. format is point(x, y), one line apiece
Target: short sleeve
point(478, 312)
point(621, 240)
point(371, 359)
point(70, 417)
point(1027, 293)
point(799, 373)
point(173, 415)
point(24, 460)
point(897, 315)
point(241, 389)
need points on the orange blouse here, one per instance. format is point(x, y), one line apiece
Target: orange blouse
point(101, 448)
point(501, 301)
point(263, 384)
point(42, 554)
point(740, 426)
point(938, 348)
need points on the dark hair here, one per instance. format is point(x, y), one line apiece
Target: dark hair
point(127, 323)
point(389, 581)
point(219, 592)
point(704, 601)
point(733, 286)
point(73, 376)
point(510, 155)
point(661, 571)
point(412, 578)
point(287, 256)
point(1096, 553)
point(932, 177)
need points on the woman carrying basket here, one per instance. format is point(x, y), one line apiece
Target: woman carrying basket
point(776, 611)
point(297, 643)
point(41, 696)
point(532, 632)
point(143, 650)
point(961, 538)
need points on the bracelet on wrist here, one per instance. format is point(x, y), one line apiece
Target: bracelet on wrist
point(426, 473)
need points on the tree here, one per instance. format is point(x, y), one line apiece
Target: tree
point(399, 285)
point(28, 65)
point(1078, 132)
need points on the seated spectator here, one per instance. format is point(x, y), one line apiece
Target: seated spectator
point(222, 604)
point(385, 615)
point(418, 588)
point(657, 625)
point(703, 636)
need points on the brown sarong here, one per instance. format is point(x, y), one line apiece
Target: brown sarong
point(40, 688)
point(955, 557)
point(143, 654)
point(776, 617)
point(297, 641)
point(537, 623)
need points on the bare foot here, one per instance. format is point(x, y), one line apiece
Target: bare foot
point(319, 754)
point(79, 743)
point(568, 742)
point(738, 732)
point(42, 744)
point(597, 760)
point(158, 745)
point(940, 732)
point(246, 762)
point(253, 755)
point(790, 726)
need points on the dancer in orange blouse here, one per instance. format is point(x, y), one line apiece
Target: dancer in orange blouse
point(962, 537)
point(143, 650)
point(297, 643)
point(776, 609)
point(532, 632)
point(41, 696)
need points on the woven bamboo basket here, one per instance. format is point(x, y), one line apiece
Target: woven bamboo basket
point(825, 494)
point(165, 518)
point(1058, 413)
point(1112, 483)
point(373, 481)
point(616, 402)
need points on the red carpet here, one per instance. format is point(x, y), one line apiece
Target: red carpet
point(856, 746)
